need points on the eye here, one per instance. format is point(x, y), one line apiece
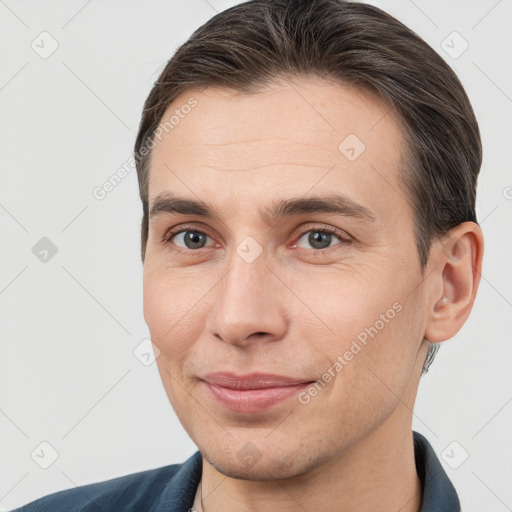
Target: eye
point(186, 239)
point(321, 237)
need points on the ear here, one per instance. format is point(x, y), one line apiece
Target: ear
point(456, 262)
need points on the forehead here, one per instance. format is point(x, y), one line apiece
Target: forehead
point(293, 136)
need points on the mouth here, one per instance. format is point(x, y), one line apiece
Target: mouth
point(254, 392)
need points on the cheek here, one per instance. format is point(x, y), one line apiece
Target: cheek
point(386, 354)
point(171, 314)
point(172, 322)
point(369, 329)
point(346, 306)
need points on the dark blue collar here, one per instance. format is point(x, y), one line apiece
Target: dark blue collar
point(439, 495)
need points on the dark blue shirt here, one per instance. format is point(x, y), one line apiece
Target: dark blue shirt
point(172, 489)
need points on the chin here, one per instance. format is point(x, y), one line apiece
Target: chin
point(249, 463)
point(261, 471)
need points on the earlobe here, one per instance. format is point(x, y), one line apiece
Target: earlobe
point(458, 263)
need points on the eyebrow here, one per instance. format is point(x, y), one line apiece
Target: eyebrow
point(168, 203)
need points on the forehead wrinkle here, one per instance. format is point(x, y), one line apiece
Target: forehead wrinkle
point(270, 140)
point(282, 164)
point(314, 144)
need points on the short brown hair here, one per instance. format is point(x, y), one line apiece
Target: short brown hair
point(254, 43)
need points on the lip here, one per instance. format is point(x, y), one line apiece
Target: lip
point(254, 392)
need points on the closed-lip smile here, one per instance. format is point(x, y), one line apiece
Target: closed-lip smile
point(253, 392)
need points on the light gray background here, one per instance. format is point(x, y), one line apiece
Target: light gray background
point(69, 325)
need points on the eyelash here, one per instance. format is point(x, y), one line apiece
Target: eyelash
point(169, 235)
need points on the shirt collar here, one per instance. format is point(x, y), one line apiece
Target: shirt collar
point(438, 493)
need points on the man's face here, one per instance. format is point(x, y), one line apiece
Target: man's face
point(244, 292)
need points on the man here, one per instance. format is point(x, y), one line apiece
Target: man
point(307, 172)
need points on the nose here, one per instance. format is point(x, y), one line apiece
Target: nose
point(249, 304)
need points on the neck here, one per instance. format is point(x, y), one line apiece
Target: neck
point(376, 474)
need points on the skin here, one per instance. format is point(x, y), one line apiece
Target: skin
point(296, 308)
